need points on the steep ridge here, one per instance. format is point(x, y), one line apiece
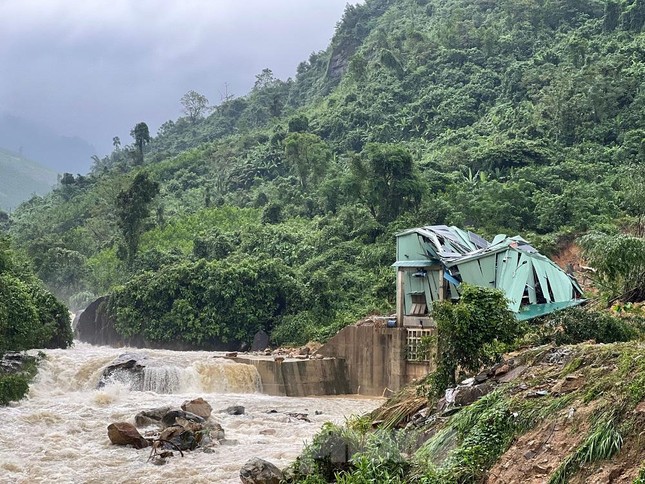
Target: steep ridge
point(21, 178)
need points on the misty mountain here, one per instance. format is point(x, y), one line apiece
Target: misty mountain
point(20, 178)
point(38, 143)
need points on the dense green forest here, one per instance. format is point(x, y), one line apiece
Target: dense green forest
point(277, 210)
point(30, 316)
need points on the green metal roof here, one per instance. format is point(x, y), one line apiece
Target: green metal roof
point(414, 263)
point(535, 310)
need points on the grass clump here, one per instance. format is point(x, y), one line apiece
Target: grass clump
point(603, 442)
point(483, 432)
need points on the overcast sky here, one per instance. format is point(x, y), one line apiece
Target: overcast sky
point(94, 68)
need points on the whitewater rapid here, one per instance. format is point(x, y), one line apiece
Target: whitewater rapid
point(59, 432)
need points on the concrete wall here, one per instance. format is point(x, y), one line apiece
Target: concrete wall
point(300, 378)
point(375, 358)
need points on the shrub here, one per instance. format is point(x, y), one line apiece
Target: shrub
point(472, 332)
point(576, 325)
point(13, 387)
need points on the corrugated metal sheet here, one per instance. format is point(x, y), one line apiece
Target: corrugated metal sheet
point(511, 264)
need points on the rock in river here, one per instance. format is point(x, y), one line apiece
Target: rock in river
point(123, 433)
point(258, 471)
point(198, 406)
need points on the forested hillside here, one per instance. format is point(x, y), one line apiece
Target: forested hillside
point(277, 210)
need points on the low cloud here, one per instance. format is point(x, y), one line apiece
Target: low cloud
point(94, 68)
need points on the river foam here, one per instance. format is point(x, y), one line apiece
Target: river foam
point(59, 432)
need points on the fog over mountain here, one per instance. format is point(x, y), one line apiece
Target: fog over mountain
point(92, 69)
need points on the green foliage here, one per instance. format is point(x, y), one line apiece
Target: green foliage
point(81, 300)
point(194, 105)
point(620, 262)
point(472, 441)
point(13, 387)
point(575, 325)
point(141, 136)
point(641, 477)
point(308, 154)
point(30, 316)
point(496, 116)
point(19, 326)
point(471, 332)
point(351, 455)
point(206, 303)
point(386, 181)
point(133, 208)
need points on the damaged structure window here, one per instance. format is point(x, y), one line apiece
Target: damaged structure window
point(433, 261)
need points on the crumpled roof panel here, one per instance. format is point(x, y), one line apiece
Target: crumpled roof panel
point(509, 263)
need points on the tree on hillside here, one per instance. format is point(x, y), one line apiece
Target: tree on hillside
point(133, 208)
point(308, 154)
point(620, 264)
point(385, 180)
point(141, 136)
point(194, 105)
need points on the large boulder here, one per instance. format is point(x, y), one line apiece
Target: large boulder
point(260, 341)
point(182, 438)
point(259, 471)
point(465, 394)
point(180, 417)
point(13, 362)
point(123, 433)
point(126, 368)
point(151, 417)
point(198, 406)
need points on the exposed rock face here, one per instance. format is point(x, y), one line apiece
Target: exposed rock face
point(198, 406)
point(123, 433)
point(182, 438)
point(260, 341)
point(180, 417)
point(13, 362)
point(258, 471)
point(95, 327)
point(569, 384)
point(127, 366)
point(465, 395)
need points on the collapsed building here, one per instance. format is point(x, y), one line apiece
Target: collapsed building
point(433, 261)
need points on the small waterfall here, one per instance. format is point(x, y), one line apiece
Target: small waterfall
point(223, 376)
point(162, 379)
point(166, 372)
point(210, 375)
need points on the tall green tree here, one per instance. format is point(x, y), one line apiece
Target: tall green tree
point(141, 135)
point(308, 154)
point(194, 105)
point(133, 209)
point(386, 181)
